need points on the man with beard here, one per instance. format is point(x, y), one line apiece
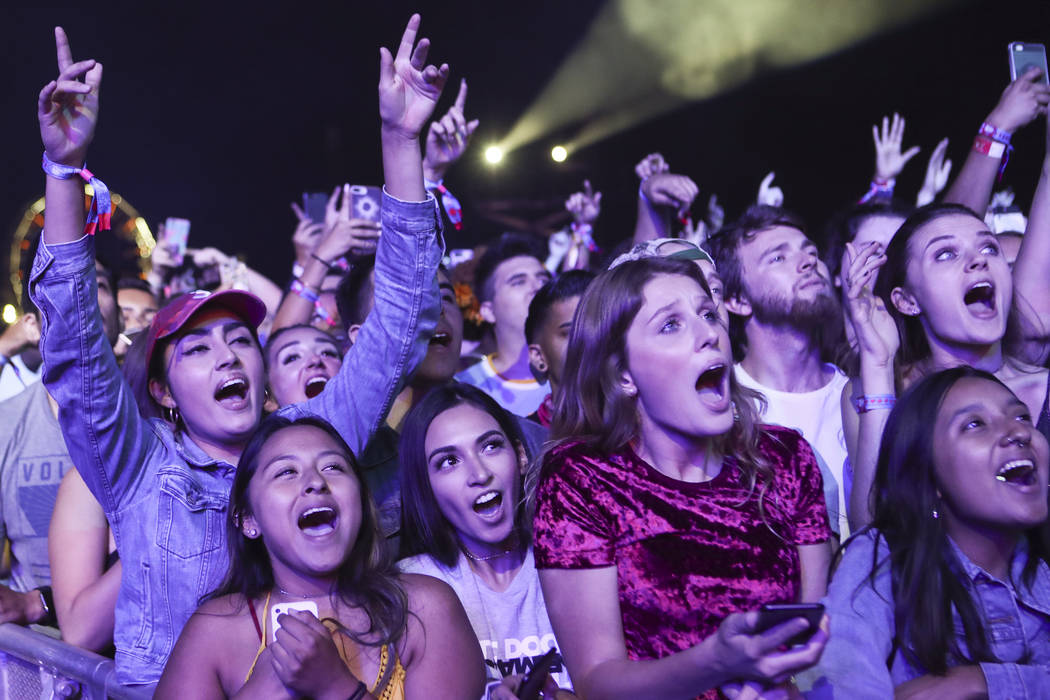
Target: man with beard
point(784, 321)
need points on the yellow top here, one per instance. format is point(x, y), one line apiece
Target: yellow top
point(393, 689)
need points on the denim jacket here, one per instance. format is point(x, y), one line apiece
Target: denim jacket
point(164, 497)
point(854, 665)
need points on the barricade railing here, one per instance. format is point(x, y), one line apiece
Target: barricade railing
point(36, 666)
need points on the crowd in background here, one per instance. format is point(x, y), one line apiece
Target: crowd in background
point(540, 468)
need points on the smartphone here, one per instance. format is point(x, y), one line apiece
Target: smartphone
point(314, 204)
point(174, 238)
point(366, 202)
point(773, 614)
point(1024, 56)
point(532, 683)
point(282, 608)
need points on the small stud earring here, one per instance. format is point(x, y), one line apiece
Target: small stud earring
point(935, 514)
point(252, 533)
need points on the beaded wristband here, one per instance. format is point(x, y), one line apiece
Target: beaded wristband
point(995, 143)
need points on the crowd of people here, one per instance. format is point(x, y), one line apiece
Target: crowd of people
point(726, 458)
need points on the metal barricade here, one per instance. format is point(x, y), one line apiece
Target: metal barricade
point(34, 666)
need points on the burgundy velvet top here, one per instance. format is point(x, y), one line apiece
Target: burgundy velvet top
point(686, 554)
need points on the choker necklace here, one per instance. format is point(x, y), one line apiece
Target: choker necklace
point(488, 557)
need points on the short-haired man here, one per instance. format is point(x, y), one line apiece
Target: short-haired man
point(507, 276)
point(784, 319)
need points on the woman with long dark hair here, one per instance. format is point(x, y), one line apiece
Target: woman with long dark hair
point(947, 593)
point(467, 522)
point(664, 514)
point(942, 298)
point(302, 527)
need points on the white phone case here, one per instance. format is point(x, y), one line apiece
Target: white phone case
point(281, 608)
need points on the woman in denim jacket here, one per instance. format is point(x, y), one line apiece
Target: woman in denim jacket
point(164, 485)
point(947, 593)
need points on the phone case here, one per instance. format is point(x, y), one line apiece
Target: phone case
point(281, 608)
point(1024, 56)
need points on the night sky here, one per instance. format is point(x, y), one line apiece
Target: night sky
point(225, 115)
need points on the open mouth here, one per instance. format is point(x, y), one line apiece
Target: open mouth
point(711, 380)
point(314, 386)
point(236, 388)
point(1020, 472)
point(317, 521)
point(980, 299)
point(488, 503)
point(441, 338)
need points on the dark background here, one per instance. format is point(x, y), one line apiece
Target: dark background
point(223, 115)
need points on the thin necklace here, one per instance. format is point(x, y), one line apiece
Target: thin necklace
point(511, 548)
point(302, 597)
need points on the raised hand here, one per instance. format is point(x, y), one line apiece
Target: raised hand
point(652, 164)
point(768, 193)
point(448, 137)
point(344, 234)
point(876, 331)
point(670, 190)
point(584, 206)
point(1022, 101)
point(67, 108)
point(937, 172)
point(308, 234)
point(889, 161)
point(716, 215)
point(409, 88)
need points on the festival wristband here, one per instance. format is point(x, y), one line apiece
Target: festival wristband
point(448, 201)
point(301, 290)
point(875, 402)
point(98, 217)
point(994, 143)
point(879, 189)
point(322, 261)
point(585, 233)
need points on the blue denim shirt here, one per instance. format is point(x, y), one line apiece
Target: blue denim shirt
point(1016, 618)
point(164, 497)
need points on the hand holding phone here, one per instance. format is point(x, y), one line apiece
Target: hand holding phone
point(773, 614)
point(532, 683)
point(1025, 56)
point(281, 608)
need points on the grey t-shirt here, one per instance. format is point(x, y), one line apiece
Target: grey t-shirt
point(33, 459)
point(512, 625)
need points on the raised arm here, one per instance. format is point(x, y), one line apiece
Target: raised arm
point(107, 438)
point(660, 196)
point(877, 343)
point(448, 138)
point(393, 339)
point(1021, 102)
point(1031, 282)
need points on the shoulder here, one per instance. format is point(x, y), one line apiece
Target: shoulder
point(430, 600)
point(783, 443)
point(860, 555)
point(421, 564)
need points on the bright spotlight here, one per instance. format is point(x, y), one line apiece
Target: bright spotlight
point(493, 154)
point(10, 315)
point(559, 154)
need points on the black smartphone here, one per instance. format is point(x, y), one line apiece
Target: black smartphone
point(773, 614)
point(1024, 56)
point(314, 204)
point(532, 683)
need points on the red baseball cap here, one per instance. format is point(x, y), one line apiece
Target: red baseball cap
point(247, 307)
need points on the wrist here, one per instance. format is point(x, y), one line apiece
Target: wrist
point(395, 137)
point(34, 608)
point(433, 173)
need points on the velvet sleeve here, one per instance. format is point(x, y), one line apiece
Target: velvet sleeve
point(571, 529)
point(801, 486)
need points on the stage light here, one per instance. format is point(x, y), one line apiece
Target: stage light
point(643, 58)
point(493, 154)
point(559, 154)
point(10, 315)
